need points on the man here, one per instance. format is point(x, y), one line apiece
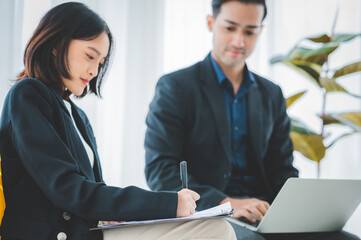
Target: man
point(228, 123)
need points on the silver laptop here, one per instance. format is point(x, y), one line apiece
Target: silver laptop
point(310, 205)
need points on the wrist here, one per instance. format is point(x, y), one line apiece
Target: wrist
point(227, 199)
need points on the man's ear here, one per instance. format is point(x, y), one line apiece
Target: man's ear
point(210, 21)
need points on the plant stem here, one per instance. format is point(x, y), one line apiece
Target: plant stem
point(318, 169)
point(323, 112)
point(327, 69)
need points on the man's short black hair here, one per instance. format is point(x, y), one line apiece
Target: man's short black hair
point(216, 5)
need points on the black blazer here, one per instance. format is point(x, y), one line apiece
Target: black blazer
point(187, 121)
point(49, 184)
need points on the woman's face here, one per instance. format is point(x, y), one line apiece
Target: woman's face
point(84, 58)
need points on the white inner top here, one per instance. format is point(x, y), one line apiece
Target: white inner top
point(85, 144)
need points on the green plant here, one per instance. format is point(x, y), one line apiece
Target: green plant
point(312, 62)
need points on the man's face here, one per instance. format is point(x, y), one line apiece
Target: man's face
point(235, 32)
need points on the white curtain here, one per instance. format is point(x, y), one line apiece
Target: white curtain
point(158, 36)
point(11, 24)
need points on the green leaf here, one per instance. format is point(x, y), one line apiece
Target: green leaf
point(311, 146)
point(279, 58)
point(300, 127)
point(331, 85)
point(350, 119)
point(306, 141)
point(348, 69)
point(317, 55)
point(344, 37)
point(324, 38)
point(310, 70)
point(293, 98)
point(338, 38)
point(328, 120)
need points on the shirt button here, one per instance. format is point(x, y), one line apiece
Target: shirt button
point(61, 236)
point(236, 128)
point(235, 101)
point(225, 175)
point(66, 216)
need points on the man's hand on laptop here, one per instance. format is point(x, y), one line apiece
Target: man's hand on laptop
point(248, 208)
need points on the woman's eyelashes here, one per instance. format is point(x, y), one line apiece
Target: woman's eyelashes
point(89, 56)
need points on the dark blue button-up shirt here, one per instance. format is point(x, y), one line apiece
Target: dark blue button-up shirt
point(243, 180)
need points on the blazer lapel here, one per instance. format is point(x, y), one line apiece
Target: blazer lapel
point(94, 173)
point(86, 134)
point(215, 97)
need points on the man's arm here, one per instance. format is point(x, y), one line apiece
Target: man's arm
point(167, 134)
point(278, 159)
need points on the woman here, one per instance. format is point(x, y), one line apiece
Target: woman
point(52, 178)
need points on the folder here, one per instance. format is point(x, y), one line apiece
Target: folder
point(223, 210)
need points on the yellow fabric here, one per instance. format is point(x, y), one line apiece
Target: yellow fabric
point(2, 200)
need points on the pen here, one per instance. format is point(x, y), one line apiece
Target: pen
point(183, 174)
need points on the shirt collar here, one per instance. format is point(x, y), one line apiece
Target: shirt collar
point(248, 80)
point(220, 75)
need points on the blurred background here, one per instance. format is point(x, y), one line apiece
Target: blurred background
point(154, 37)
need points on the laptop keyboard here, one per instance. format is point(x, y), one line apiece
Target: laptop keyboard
point(245, 220)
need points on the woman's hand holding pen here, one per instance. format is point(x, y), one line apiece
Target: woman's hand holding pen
point(186, 198)
point(186, 202)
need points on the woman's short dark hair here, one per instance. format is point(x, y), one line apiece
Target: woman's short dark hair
point(56, 29)
point(216, 5)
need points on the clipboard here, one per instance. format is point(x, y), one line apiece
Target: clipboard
point(223, 210)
